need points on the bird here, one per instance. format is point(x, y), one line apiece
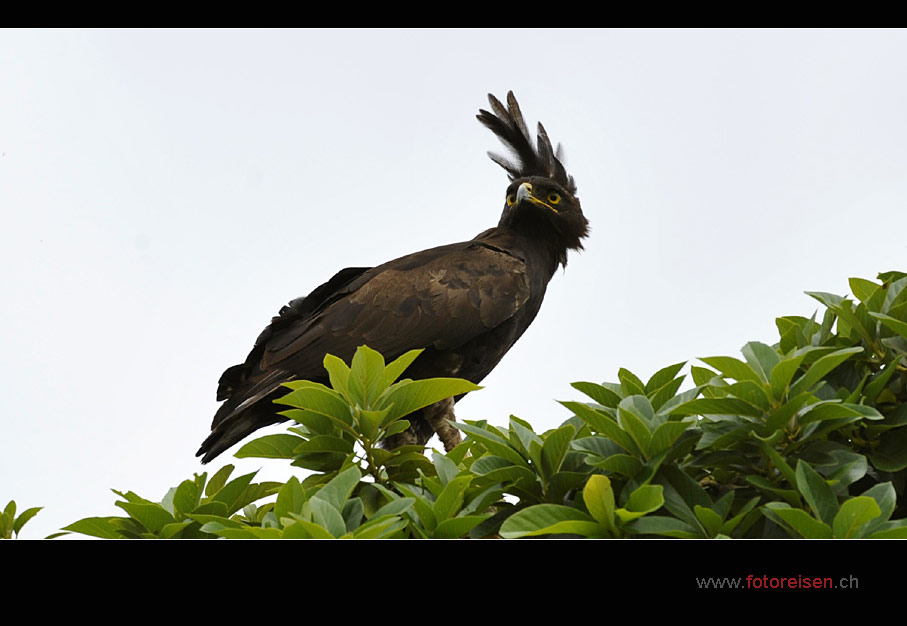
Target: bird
point(464, 304)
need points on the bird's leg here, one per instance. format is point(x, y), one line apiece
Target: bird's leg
point(429, 421)
point(437, 415)
point(406, 438)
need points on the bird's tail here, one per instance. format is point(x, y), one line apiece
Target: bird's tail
point(235, 428)
point(249, 408)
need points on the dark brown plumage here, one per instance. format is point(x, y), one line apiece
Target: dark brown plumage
point(465, 303)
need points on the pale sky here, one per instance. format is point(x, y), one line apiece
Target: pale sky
point(164, 193)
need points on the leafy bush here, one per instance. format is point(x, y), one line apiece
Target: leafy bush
point(804, 438)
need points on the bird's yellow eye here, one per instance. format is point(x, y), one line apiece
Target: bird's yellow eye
point(554, 197)
point(511, 198)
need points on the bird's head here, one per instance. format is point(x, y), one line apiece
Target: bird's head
point(541, 199)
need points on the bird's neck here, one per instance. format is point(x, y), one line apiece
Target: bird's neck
point(535, 245)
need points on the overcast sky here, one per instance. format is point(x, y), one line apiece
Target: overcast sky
point(164, 193)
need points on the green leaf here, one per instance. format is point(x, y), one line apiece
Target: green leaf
point(279, 446)
point(822, 367)
point(557, 442)
point(891, 453)
point(799, 520)
point(596, 445)
point(779, 461)
point(421, 505)
point(338, 373)
point(447, 469)
point(624, 464)
point(315, 423)
point(599, 499)
point(833, 409)
point(395, 369)
point(603, 424)
point(290, 499)
point(732, 368)
point(761, 358)
point(717, 406)
point(645, 499)
point(680, 493)
point(324, 443)
point(397, 427)
point(338, 490)
point(663, 377)
point(450, 499)
point(231, 493)
point(546, 519)
point(630, 383)
point(370, 422)
point(752, 393)
point(456, 527)
point(327, 516)
point(783, 373)
point(790, 328)
point(95, 527)
point(854, 515)
point(319, 400)
point(172, 531)
point(892, 323)
point(304, 529)
point(522, 435)
point(398, 506)
point(495, 444)
point(702, 375)
point(730, 525)
point(218, 480)
point(186, 497)
point(897, 532)
point(880, 380)
point(709, 519)
point(863, 289)
point(784, 413)
point(417, 394)
point(380, 528)
point(664, 396)
point(817, 493)
point(599, 393)
point(667, 408)
point(885, 496)
point(659, 525)
point(213, 523)
point(366, 377)
point(633, 421)
point(26, 515)
point(666, 434)
point(789, 495)
point(353, 512)
point(152, 516)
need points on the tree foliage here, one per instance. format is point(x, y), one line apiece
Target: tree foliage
point(806, 438)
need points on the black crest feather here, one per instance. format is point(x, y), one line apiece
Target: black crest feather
point(510, 127)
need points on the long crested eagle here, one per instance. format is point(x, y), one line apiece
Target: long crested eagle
point(465, 303)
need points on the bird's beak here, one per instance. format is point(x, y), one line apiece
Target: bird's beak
point(524, 192)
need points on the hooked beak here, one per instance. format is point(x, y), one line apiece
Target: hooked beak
point(524, 192)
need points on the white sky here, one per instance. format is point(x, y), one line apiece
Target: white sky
point(163, 193)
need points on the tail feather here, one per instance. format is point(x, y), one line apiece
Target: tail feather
point(233, 429)
point(247, 410)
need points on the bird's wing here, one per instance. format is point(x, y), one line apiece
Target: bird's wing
point(439, 298)
point(299, 309)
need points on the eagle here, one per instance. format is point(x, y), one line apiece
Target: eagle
point(465, 304)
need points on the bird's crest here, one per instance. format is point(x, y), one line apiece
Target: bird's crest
point(508, 124)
